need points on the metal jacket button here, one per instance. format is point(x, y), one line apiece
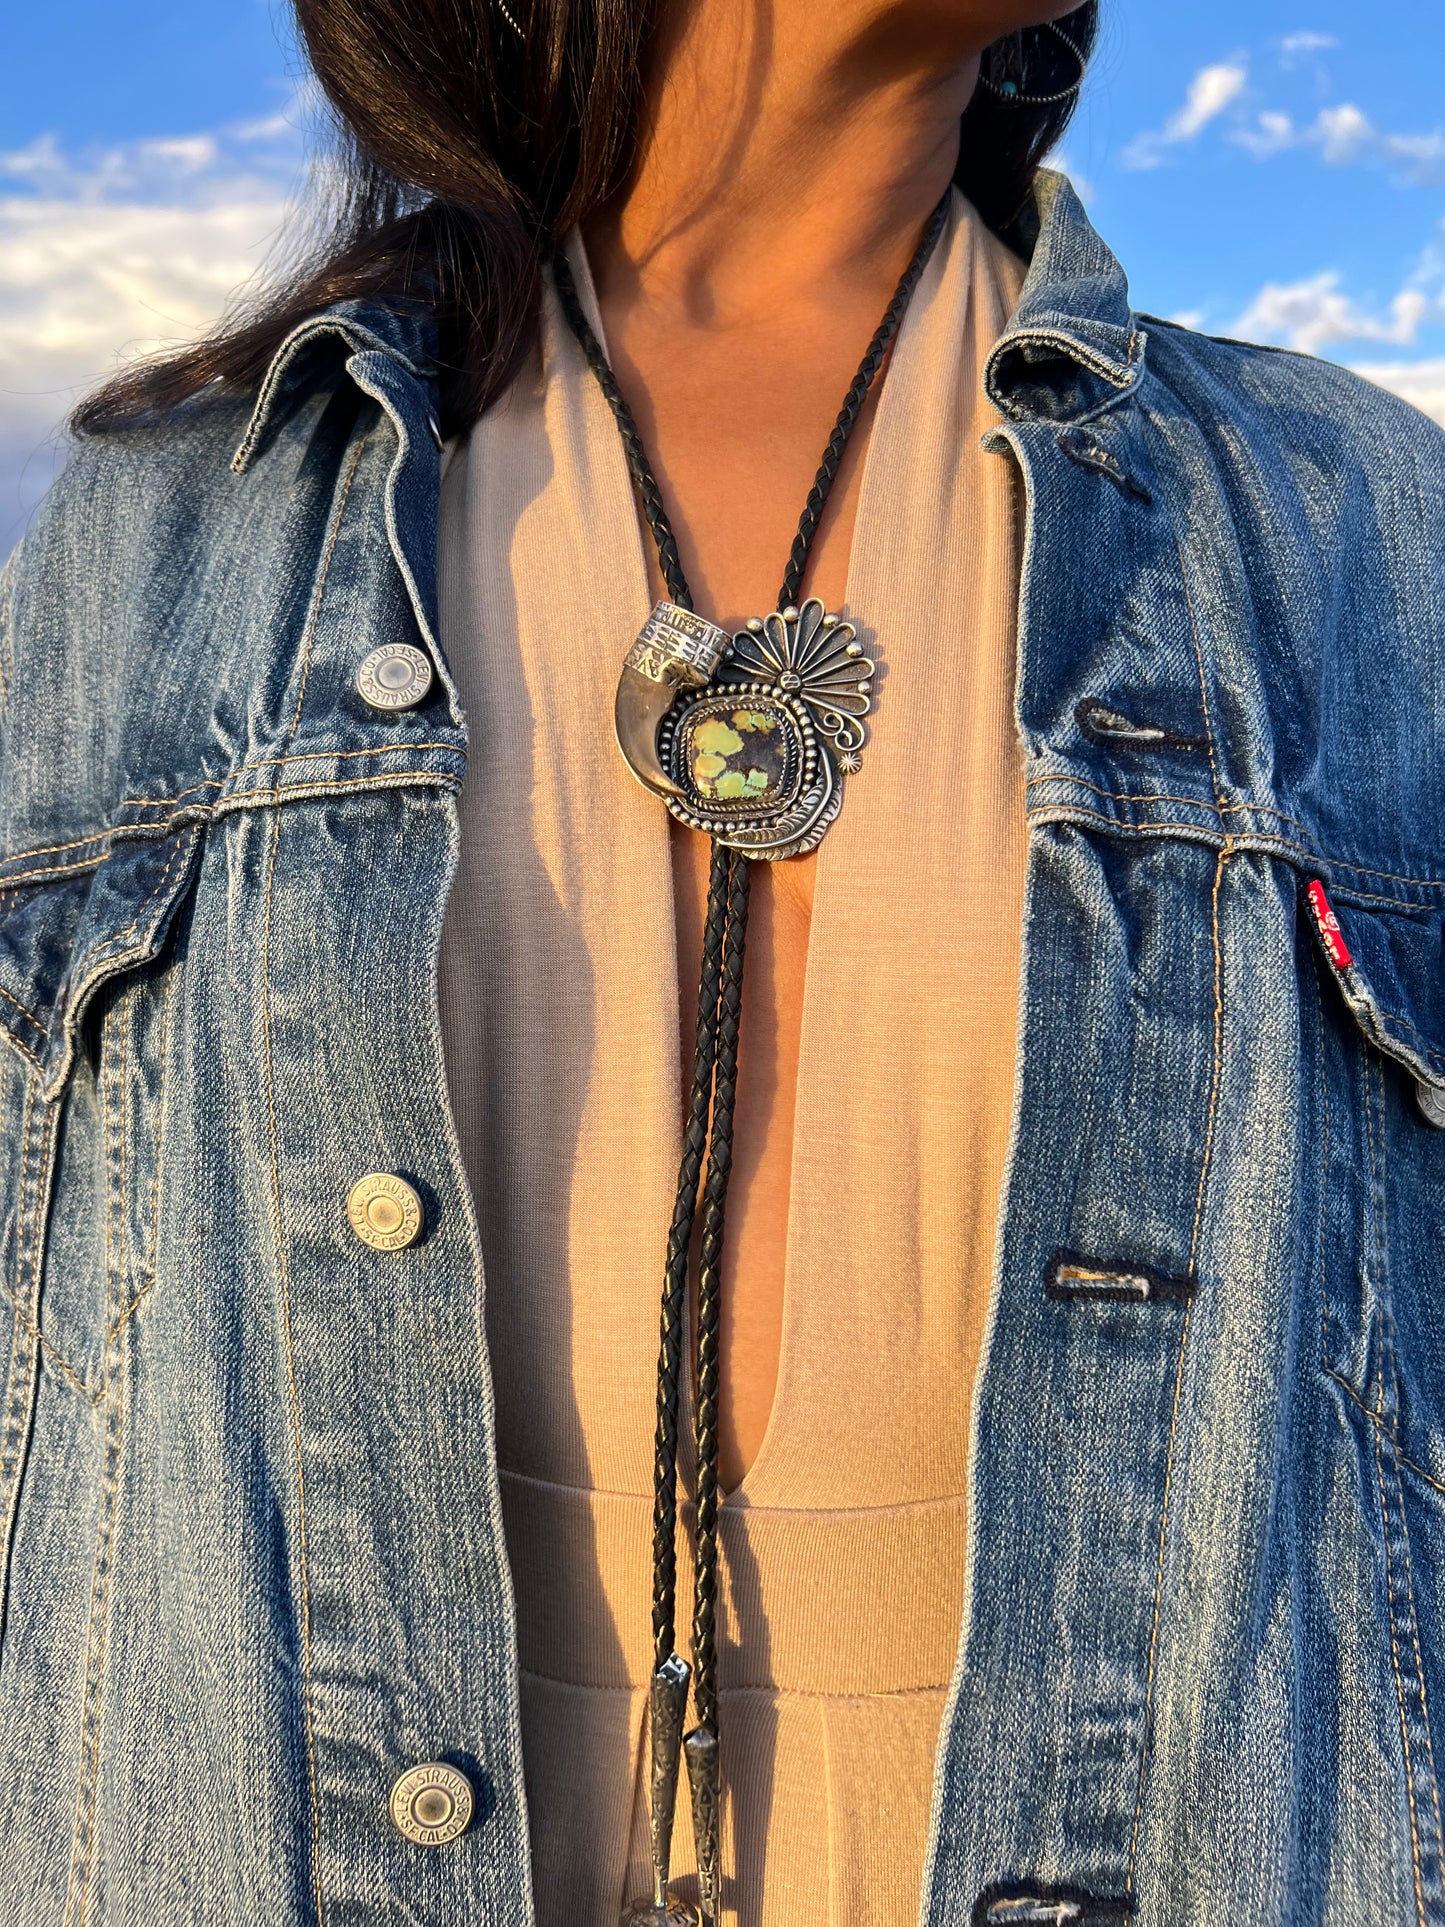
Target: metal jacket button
point(385, 1212)
point(1432, 1104)
point(432, 1804)
point(395, 676)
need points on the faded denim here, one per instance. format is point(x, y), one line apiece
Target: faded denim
point(248, 1498)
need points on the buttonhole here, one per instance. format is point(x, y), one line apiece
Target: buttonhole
point(1085, 452)
point(1049, 1907)
point(1070, 1277)
point(1102, 723)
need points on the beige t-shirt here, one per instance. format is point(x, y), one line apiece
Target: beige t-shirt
point(843, 1550)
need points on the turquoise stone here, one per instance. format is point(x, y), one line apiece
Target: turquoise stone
point(740, 756)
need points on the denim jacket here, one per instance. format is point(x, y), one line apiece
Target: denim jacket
point(249, 1529)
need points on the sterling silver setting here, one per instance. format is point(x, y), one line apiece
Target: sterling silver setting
point(796, 683)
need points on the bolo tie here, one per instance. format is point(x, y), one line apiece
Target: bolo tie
point(748, 738)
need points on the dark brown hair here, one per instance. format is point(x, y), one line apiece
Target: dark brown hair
point(463, 147)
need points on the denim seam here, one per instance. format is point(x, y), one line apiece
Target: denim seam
point(1419, 1661)
point(1301, 855)
point(1191, 802)
point(52, 1352)
point(149, 1258)
point(1124, 381)
point(358, 340)
point(1367, 1411)
point(1376, 1214)
point(127, 832)
point(117, 1135)
point(1125, 796)
point(1394, 1017)
point(1348, 894)
point(283, 1278)
point(395, 779)
point(39, 1123)
point(30, 1014)
point(184, 844)
point(1179, 1380)
point(97, 1639)
point(10, 1448)
point(1389, 1313)
point(314, 617)
point(113, 1084)
point(1399, 1687)
point(265, 762)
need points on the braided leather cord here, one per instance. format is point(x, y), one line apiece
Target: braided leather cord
point(679, 1242)
point(643, 479)
point(853, 406)
point(638, 464)
point(715, 1060)
point(709, 1292)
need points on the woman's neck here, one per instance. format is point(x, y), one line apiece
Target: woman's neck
point(792, 150)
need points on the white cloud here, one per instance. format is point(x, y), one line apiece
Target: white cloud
point(1295, 47)
point(115, 253)
point(1267, 134)
point(1308, 315)
point(1342, 132)
point(1419, 382)
point(1345, 136)
point(1210, 92)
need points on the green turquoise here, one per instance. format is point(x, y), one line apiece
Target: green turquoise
point(739, 755)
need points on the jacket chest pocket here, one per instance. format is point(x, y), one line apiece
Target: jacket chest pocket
point(1380, 1064)
point(85, 992)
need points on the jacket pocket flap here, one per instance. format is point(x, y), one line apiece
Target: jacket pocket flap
point(1390, 967)
point(59, 941)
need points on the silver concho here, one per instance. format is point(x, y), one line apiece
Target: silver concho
point(757, 758)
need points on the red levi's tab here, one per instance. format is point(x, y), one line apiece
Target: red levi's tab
point(1329, 927)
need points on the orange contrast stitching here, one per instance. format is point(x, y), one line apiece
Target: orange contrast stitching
point(24, 1012)
point(1365, 1411)
point(1179, 1381)
point(1388, 1308)
point(303, 1543)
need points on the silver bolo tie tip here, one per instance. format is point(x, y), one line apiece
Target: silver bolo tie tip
point(676, 650)
point(704, 1772)
point(667, 1712)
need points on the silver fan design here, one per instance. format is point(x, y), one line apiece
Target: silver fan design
point(816, 657)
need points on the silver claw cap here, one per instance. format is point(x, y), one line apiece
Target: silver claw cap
point(677, 649)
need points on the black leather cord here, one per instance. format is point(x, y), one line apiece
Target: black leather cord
point(709, 1290)
point(715, 1061)
point(848, 415)
point(643, 479)
point(679, 1242)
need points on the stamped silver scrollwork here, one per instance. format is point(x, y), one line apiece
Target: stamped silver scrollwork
point(679, 647)
point(817, 655)
point(747, 739)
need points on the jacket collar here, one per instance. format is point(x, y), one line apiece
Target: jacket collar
point(1072, 348)
point(1074, 345)
point(402, 331)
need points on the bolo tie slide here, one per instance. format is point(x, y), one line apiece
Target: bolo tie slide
point(748, 738)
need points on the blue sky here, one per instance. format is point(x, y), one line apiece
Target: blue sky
point(1274, 170)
